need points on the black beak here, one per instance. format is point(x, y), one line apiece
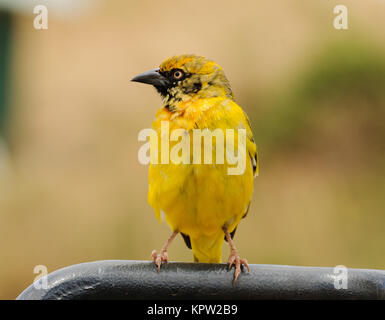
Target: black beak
point(152, 77)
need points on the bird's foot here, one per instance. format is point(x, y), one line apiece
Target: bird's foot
point(235, 260)
point(160, 257)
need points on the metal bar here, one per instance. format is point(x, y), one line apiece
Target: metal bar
point(120, 279)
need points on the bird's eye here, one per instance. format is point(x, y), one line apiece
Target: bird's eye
point(178, 74)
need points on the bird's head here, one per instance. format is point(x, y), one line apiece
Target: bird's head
point(185, 77)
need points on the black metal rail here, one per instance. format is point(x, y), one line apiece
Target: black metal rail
point(119, 279)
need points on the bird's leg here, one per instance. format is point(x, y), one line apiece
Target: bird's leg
point(234, 258)
point(158, 258)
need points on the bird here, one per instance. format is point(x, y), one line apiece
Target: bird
point(200, 201)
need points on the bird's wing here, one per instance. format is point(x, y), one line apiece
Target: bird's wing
point(252, 147)
point(240, 119)
point(238, 115)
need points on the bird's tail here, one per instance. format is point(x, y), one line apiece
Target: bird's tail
point(207, 250)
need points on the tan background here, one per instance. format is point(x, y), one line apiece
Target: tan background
point(75, 191)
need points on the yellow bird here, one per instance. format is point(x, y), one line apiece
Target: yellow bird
point(199, 200)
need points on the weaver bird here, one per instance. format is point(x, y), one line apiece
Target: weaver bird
point(202, 202)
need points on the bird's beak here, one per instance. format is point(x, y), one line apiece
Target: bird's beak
point(152, 77)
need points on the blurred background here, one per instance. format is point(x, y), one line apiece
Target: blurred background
point(71, 187)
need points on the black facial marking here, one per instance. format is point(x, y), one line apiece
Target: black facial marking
point(196, 86)
point(162, 90)
point(174, 76)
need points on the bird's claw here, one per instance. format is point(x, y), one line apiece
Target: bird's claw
point(235, 260)
point(158, 258)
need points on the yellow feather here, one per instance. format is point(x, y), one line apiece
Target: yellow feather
point(198, 200)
